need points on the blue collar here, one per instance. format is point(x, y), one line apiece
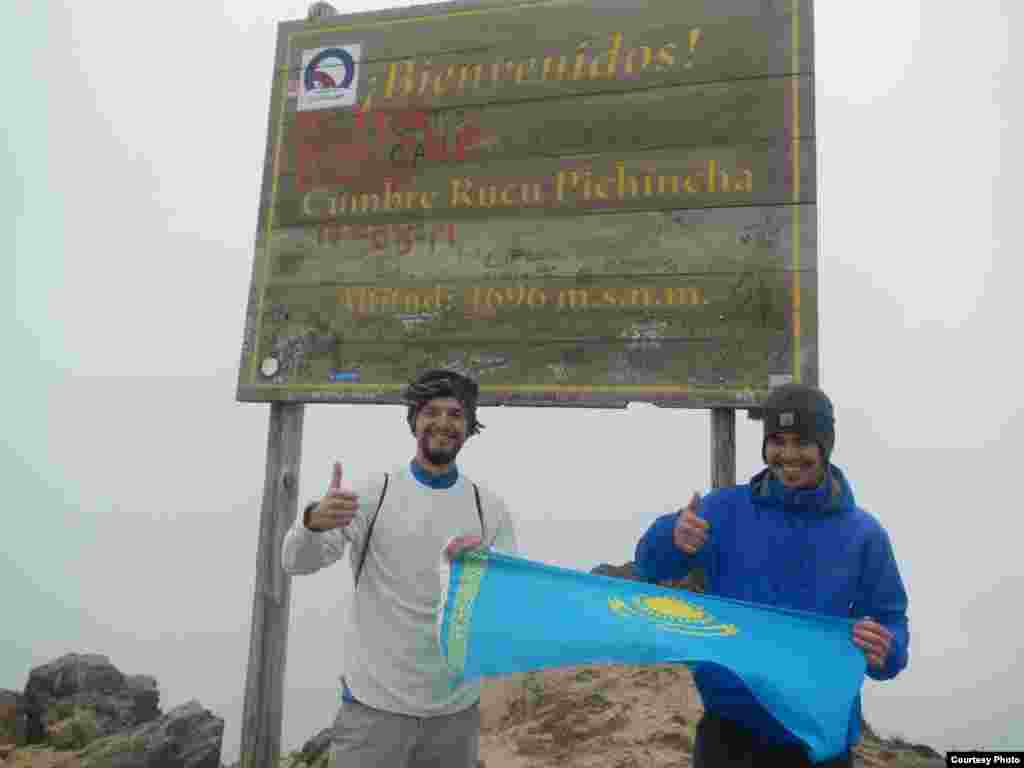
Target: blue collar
point(823, 499)
point(447, 480)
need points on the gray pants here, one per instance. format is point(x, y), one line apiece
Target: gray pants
point(370, 738)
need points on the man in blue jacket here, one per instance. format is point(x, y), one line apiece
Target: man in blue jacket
point(792, 537)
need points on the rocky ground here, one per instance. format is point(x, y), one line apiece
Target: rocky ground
point(80, 711)
point(620, 717)
point(605, 717)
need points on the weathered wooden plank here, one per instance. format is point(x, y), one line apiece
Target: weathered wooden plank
point(498, 310)
point(261, 720)
point(558, 47)
point(540, 395)
point(737, 340)
point(550, 396)
point(743, 275)
point(722, 240)
point(648, 366)
point(659, 179)
point(320, 148)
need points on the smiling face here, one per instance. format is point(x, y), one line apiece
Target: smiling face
point(794, 460)
point(440, 432)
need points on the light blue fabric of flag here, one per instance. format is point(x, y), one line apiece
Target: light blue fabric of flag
point(502, 614)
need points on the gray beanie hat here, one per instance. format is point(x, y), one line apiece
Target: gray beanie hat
point(804, 410)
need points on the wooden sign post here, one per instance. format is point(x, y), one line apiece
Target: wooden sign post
point(723, 447)
point(268, 639)
point(582, 203)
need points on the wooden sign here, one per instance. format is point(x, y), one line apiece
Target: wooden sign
point(580, 202)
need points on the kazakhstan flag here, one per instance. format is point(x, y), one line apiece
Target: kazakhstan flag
point(502, 614)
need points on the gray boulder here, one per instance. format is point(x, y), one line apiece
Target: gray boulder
point(921, 750)
point(925, 751)
point(694, 580)
point(188, 736)
point(87, 681)
point(316, 748)
point(624, 571)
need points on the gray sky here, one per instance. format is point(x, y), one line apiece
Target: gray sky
point(129, 189)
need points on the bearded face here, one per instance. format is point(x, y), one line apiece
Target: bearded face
point(440, 431)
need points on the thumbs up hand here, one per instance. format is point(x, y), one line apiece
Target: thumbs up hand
point(691, 532)
point(338, 506)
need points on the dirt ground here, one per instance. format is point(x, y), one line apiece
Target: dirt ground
point(613, 717)
point(618, 717)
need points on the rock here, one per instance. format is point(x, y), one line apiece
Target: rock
point(875, 750)
point(12, 718)
point(316, 747)
point(925, 751)
point(624, 571)
point(55, 691)
point(694, 581)
point(925, 754)
point(186, 737)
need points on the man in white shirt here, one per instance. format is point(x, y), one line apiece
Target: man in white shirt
point(398, 709)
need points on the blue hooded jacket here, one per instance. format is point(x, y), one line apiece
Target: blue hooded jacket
point(805, 549)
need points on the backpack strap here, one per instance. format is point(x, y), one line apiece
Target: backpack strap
point(369, 532)
point(480, 513)
point(380, 503)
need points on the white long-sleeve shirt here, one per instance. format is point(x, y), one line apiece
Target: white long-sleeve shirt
point(390, 653)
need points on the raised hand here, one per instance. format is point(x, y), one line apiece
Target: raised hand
point(691, 532)
point(338, 506)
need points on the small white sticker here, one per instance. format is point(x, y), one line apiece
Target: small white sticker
point(778, 379)
point(269, 366)
point(329, 77)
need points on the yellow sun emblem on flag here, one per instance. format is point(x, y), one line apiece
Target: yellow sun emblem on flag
point(672, 614)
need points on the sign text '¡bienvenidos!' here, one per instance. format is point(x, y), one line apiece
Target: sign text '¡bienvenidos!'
point(477, 299)
point(576, 187)
point(411, 78)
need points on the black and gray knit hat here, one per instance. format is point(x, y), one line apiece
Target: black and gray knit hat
point(804, 410)
point(440, 382)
